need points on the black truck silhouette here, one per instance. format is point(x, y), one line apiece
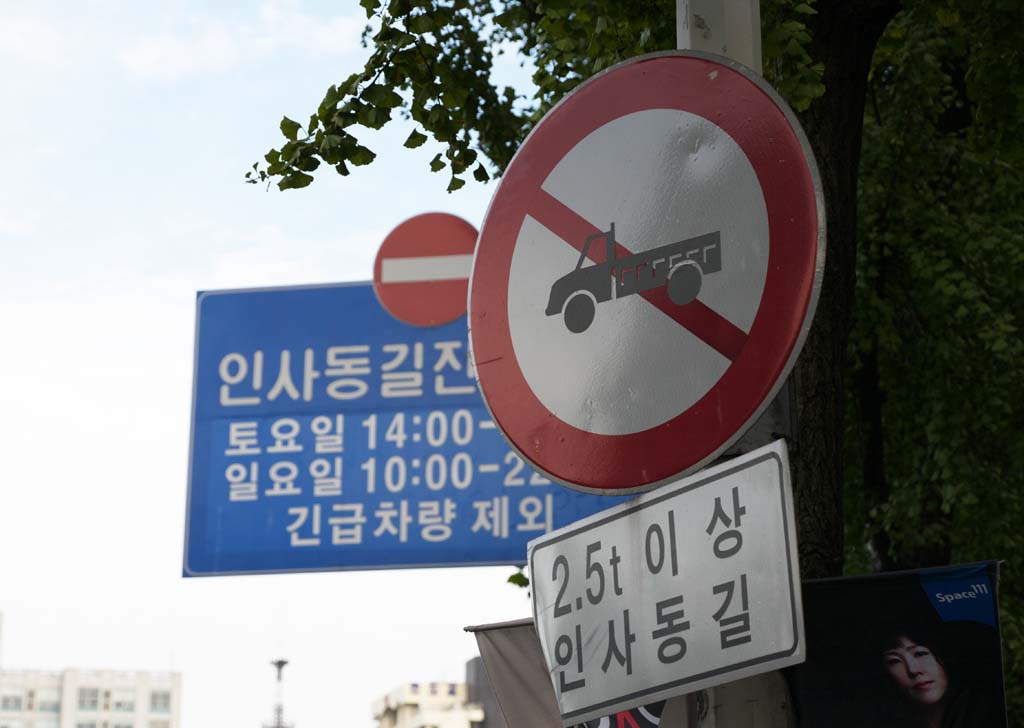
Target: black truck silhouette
point(680, 266)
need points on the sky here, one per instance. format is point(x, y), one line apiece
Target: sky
point(126, 129)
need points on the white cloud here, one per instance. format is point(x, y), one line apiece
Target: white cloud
point(214, 46)
point(17, 224)
point(287, 27)
point(35, 41)
point(168, 56)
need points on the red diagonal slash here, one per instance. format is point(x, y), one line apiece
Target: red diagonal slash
point(700, 320)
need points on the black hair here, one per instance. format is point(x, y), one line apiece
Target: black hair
point(920, 632)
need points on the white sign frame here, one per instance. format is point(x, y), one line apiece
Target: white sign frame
point(677, 529)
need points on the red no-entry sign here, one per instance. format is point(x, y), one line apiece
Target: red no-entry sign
point(421, 274)
point(647, 271)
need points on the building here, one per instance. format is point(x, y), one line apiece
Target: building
point(427, 705)
point(442, 705)
point(89, 699)
point(481, 693)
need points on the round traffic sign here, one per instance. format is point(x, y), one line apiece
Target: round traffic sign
point(421, 274)
point(646, 272)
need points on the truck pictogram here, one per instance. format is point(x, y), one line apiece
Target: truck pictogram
point(679, 266)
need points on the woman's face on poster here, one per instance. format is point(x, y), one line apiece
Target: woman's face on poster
point(916, 671)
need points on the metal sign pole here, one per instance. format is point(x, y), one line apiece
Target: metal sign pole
point(732, 28)
point(729, 28)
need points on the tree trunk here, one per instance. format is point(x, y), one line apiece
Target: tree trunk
point(844, 35)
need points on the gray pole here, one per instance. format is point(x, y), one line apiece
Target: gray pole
point(732, 28)
point(729, 28)
point(279, 697)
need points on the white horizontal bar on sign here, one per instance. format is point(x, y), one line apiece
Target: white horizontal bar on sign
point(425, 268)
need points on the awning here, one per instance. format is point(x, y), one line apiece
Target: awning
point(515, 665)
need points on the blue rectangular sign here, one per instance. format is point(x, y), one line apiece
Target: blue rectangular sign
point(328, 435)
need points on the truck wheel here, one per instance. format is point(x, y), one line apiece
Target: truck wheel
point(579, 313)
point(684, 283)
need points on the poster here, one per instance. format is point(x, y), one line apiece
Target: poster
point(903, 649)
point(646, 716)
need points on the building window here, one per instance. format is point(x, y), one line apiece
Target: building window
point(123, 725)
point(85, 725)
point(88, 699)
point(10, 723)
point(47, 701)
point(124, 701)
point(10, 702)
point(159, 724)
point(160, 701)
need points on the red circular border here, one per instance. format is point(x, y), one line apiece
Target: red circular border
point(425, 303)
point(754, 120)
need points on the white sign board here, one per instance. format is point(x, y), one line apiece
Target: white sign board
point(693, 585)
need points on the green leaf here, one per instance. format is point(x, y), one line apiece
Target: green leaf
point(947, 18)
point(290, 152)
point(415, 139)
point(480, 174)
point(398, 8)
point(420, 24)
point(372, 117)
point(455, 97)
point(508, 19)
point(308, 164)
point(436, 164)
point(462, 159)
point(361, 155)
point(456, 183)
point(351, 84)
point(519, 579)
point(329, 103)
point(290, 128)
point(382, 96)
point(395, 37)
point(295, 181)
point(370, 6)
